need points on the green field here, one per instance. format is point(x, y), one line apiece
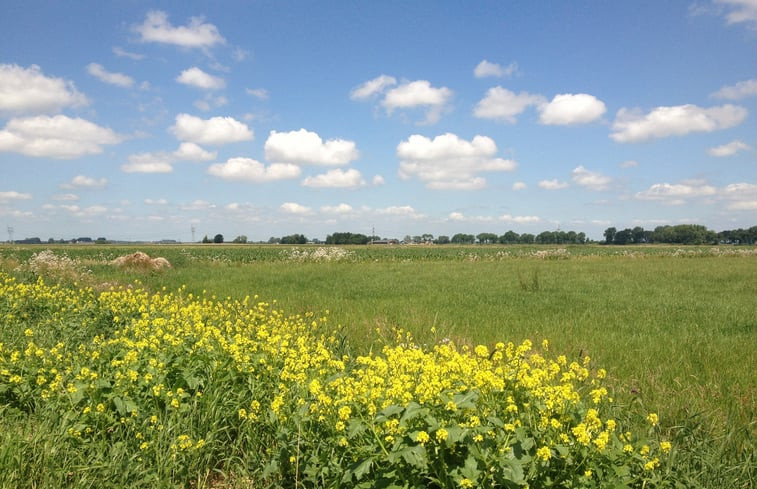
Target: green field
point(676, 328)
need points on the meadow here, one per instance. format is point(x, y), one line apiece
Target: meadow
point(672, 331)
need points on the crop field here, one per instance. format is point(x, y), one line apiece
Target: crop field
point(378, 366)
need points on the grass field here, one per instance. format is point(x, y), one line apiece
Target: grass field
point(676, 329)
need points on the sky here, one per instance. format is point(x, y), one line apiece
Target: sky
point(175, 120)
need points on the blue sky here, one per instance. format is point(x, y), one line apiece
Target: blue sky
point(135, 120)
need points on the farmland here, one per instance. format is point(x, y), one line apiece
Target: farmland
point(674, 328)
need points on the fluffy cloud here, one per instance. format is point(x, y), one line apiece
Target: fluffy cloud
point(486, 68)
point(118, 79)
point(373, 87)
point(519, 186)
point(249, 170)
point(337, 209)
point(738, 91)
point(728, 149)
point(503, 105)
point(629, 164)
point(197, 34)
point(193, 152)
point(83, 181)
point(122, 53)
point(148, 163)
point(10, 195)
point(743, 196)
point(58, 137)
point(591, 180)
point(216, 130)
point(676, 194)
point(632, 126)
point(448, 162)
point(400, 211)
point(336, 179)
point(29, 91)
point(568, 109)
point(195, 77)
point(418, 93)
point(553, 184)
point(294, 208)
point(65, 197)
point(741, 11)
point(519, 219)
point(304, 147)
point(260, 93)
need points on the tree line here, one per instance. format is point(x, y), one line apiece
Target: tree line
point(688, 234)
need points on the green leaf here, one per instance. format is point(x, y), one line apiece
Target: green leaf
point(412, 411)
point(415, 456)
point(470, 470)
point(120, 405)
point(387, 413)
point(466, 401)
point(359, 470)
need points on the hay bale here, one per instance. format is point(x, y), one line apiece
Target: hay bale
point(141, 261)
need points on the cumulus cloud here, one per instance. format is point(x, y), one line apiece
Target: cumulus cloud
point(589, 179)
point(304, 147)
point(148, 163)
point(336, 178)
point(198, 34)
point(294, 208)
point(197, 78)
point(632, 126)
point(378, 180)
point(503, 105)
point(373, 87)
point(629, 164)
point(59, 137)
point(83, 181)
point(742, 196)
point(739, 11)
point(569, 109)
point(249, 170)
point(415, 94)
point(260, 93)
point(118, 79)
point(486, 68)
point(10, 195)
point(156, 202)
point(519, 219)
point(337, 209)
point(193, 152)
point(738, 91)
point(400, 211)
point(519, 186)
point(65, 197)
point(122, 53)
point(28, 91)
point(553, 184)
point(676, 194)
point(729, 149)
point(216, 130)
point(449, 162)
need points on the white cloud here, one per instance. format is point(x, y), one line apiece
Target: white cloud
point(148, 163)
point(741, 11)
point(503, 105)
point(197, 34)
point(337, 209)
point(249, 170)
point(373, 87)
point(59, 137)
point(378, 180)
point(294, 208)
point(195, 77)
point(118, 79)
point(729, 149)
point(519, 186)
point(553, 184)
point(456, 216)
point(29, 91)
point(65, 197)
point(122, 53)
point(449, 162)
point(738, 91)
point(743, 196)
point(631, 126)
point(569, 108)
point(486, 68)
point(418, 93)
point(629, 164)
point(676, 194)
point(519, 219)
point(156, 202)
point(260, 93)
point(193, 152)
point(83, 181)
point(210, 102)
point(10, 195)
point(336, 178)
point(216, 130)
point(305, 147)
point(589, 179)
point(400, 211)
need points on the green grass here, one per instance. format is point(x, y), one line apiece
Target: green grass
point(676, 332)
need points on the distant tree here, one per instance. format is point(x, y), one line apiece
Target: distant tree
point(486, 238)
point(610, 235)
point(347, 239)
point(427, 238)
point(240, 239)
point(510, 237)
point(218, 238)
point(526, 238)
point(205, 239)
point(442, 240)
point(623, 237)
point(101, 241)
point(274, 240)
point(461, 238)
point(294, 239)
